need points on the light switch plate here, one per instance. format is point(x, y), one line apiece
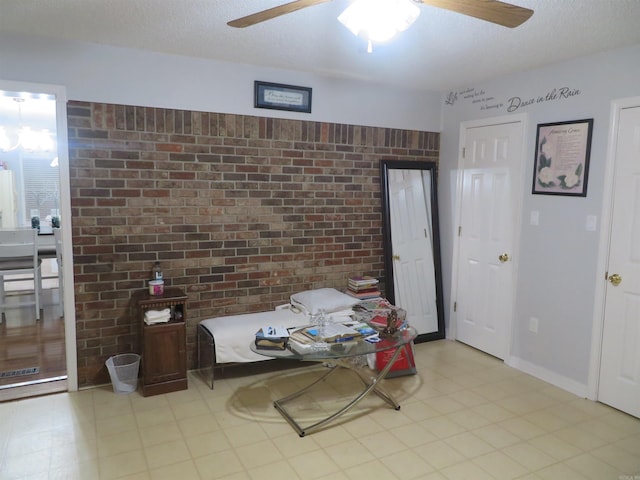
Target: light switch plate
point(591, 223)
point(534, 219)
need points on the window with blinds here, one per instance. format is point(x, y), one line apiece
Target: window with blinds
point(41, 191)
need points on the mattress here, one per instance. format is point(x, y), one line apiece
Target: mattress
point(234, 334)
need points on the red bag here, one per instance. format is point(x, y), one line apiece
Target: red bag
point(405, 364)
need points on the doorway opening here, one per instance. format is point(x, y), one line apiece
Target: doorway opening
point(33, 351)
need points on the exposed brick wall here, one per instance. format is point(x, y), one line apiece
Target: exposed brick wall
point(241, 211)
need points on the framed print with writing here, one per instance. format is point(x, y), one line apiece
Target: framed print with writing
point(278, 96)
point(561, 165)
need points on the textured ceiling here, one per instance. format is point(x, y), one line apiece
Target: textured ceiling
point(441, 51)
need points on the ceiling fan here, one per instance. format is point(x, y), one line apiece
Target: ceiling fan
point(493, 11)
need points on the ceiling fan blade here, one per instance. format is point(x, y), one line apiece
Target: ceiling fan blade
point(493, 11)
point(273, 12)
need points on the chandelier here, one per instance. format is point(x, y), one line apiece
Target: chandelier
point(24, 137)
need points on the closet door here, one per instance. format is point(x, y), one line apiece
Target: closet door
point(620, 362)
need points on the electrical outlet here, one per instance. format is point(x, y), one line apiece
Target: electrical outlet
point(533, 325)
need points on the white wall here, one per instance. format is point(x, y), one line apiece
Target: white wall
point(101, 73)
point(556, 280)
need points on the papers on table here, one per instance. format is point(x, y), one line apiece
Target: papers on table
point(333, 332)
point(337, 335)
point(273, 332)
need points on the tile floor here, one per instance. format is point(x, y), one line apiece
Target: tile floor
point(464, 416)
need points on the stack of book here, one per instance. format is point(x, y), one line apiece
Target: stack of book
point(363, 287)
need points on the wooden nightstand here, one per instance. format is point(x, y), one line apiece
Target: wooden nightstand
point(164, 345)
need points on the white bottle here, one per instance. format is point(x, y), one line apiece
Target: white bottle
point(323, 322)
point(156, 272)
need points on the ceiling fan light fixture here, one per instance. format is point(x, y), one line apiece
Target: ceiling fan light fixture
point(379, 20)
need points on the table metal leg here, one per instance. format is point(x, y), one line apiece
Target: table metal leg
point(370, 385)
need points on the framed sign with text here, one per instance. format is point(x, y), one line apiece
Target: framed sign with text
point(278, 96)
point(561, 165)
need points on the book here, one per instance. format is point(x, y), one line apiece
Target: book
point(364, 286)
point(363, 289)
point(272, 338)
point(271, 344)
point(362, 279)
point(379, 320)
point(365, 330)
point(302, 337)
point(333, 333)
point(374, 305)
point(357, 283)
point(338, 332)
point(364, 295)
point(272, 332)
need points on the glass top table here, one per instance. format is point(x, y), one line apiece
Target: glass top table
point(336, 357)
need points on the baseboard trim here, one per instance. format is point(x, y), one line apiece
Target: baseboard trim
point(44, 387)
point(579, 389)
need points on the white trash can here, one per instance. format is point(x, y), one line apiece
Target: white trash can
point(123, 370)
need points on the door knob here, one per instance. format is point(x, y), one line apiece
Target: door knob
point(615, 279)
point(396, 257)
point(504, 257)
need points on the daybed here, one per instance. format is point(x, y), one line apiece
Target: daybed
point(226, 340)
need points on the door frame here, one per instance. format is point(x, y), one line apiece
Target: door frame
point(519, 184)
point(60, 94)
point(606, 219)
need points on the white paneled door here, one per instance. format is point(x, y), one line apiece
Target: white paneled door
point(619, 384)
point(492, 158)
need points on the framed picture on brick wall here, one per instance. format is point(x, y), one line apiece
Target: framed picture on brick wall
point(278, 96)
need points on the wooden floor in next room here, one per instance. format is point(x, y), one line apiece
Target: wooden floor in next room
point(27, 344)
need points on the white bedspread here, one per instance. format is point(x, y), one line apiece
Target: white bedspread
point(234, 334)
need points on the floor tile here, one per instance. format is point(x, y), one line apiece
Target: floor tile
point(529, 456)
point(313, 465)
point(257, 454)
point(116, 466)
point(500, 466)
point(218, 464)
point(464, 415)
point(593, 468)
point(164, 454)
